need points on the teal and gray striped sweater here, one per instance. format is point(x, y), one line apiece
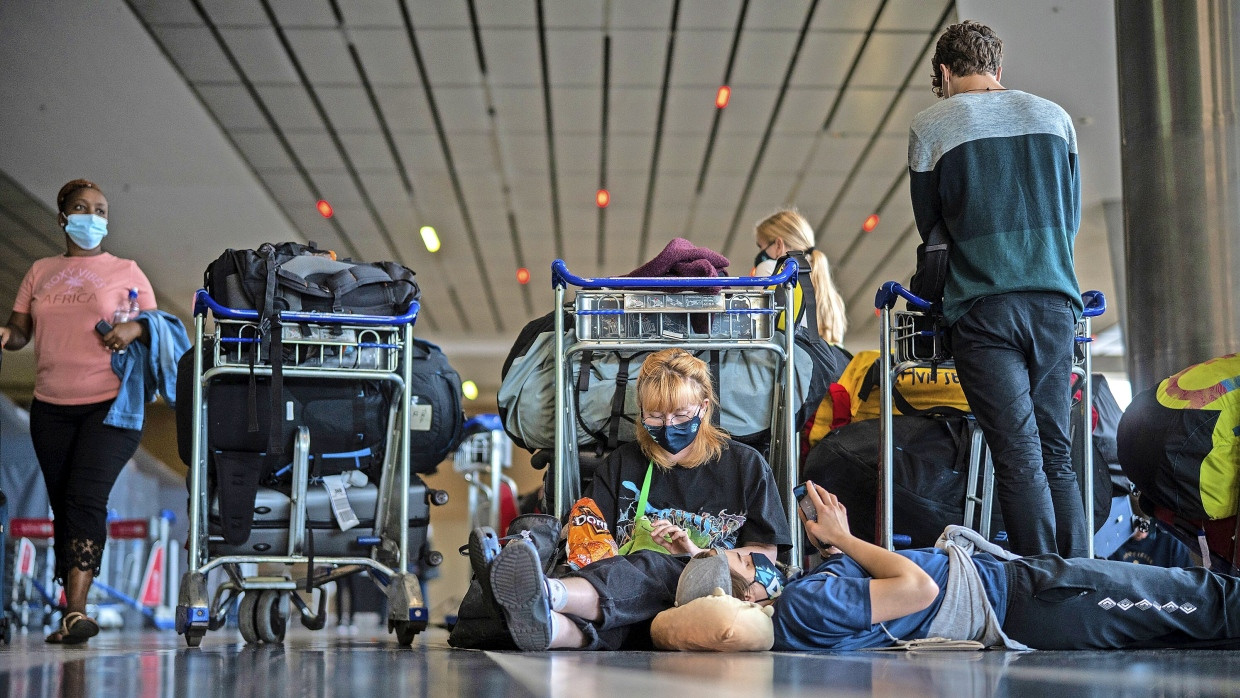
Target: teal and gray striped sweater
point(1000, 169)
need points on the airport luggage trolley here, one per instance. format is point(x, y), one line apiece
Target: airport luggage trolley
point(649, 314)
point(482, 457)
point(317, 346)
point(910, 339)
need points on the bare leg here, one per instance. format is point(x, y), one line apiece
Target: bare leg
point(77, 586)
point(566, 634)
point(582, 600)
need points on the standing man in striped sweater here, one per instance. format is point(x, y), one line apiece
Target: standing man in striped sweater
point(999, 168)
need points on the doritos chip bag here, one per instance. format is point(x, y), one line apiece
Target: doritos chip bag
point(589, 539)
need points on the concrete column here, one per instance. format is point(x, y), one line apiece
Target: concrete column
point(1179, 63)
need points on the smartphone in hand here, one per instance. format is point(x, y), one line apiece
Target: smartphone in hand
point(103, 328)
point(803, 501)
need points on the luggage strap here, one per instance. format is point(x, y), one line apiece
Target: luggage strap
point(870, 382)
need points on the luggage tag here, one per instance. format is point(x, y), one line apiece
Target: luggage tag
point(341, 509)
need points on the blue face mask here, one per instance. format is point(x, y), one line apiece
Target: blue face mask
point(674, 438)
point(767, 575)
point(86, 230)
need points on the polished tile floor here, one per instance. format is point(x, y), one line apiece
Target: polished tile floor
point(369, 664)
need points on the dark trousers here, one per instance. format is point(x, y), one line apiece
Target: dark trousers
point(1058, 604)
point(1013, 354)
point(632, 590)
point(80, 458)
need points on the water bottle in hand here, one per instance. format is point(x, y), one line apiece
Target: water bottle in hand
point(126, 311)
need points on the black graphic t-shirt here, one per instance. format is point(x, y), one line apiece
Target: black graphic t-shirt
point(730, 502)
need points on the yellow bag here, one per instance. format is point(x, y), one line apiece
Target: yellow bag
point(917, 391)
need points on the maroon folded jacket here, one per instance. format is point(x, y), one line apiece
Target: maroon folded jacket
point(683, 258)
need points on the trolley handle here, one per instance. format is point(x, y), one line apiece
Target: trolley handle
point(890, 291)
point(562, 277)
point(204, 302)
point(1095, 303)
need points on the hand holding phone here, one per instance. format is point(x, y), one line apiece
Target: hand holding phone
point(103, 328)
point(804, 502)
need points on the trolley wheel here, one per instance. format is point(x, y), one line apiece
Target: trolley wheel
point(193, 636)
point(271, 616)
point(405, 631)
point(434, 558)
point(437, 497)
point(245, 617)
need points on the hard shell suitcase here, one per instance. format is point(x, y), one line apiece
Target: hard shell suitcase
point(269, 531)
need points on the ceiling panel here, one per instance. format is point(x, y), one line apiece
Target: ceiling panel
point(580, 14)
point(323, 55)
point(913, 15)
point(701, 59)
point(762, 60)
point(387, 56)
point(363, 13)
point(260, 54)
point(785, 15)
point(370, 153)
point(291, 106)
point(231, 13)
point(262, 149)
point(637, 57)
point(513, 59)
point(166, 11)
point(405, 109)
point(845, 15)
point(303, 13)
point(825, 59)
point(448, 56)
point(804, 111)
point(196, 53)
point(232, 107)
point(887, 60)
point(462, 109)
point(574, 58)
point(348, 108)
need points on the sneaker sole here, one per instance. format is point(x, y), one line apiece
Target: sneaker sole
point(483, 548)
point(517, 580)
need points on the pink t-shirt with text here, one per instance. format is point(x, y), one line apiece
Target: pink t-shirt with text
point(66, 296)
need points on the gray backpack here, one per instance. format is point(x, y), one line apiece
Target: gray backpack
point(603, 387)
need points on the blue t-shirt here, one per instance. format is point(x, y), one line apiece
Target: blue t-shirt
point(829, 608)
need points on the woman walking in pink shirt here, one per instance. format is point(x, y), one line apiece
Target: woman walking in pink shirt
point(59, 305)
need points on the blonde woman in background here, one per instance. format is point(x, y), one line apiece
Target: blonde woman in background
point(788, 231)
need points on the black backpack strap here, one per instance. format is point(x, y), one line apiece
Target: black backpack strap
point(269, 330)
point(617, 402)
point(870, 382)
point(714, 364)
point(809, 299)
point(583, 386)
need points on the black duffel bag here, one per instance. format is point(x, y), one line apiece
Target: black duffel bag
point(293, 276)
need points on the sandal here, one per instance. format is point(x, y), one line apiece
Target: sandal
point(75, 628)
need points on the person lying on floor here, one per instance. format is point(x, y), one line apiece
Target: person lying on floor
point(871, 597)
point(696, 488)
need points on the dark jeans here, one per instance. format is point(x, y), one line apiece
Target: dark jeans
point(80, 458)
point(632, 590)
point(1013, 354)
point(1057, 604)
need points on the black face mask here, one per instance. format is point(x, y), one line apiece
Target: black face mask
point(762, 257)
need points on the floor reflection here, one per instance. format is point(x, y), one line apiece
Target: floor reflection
point(319, 664)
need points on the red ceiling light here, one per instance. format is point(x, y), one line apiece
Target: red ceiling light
point(870, 223)
point(325, 209)
point(523, 275)
point(722, 96)
point(602, 198)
